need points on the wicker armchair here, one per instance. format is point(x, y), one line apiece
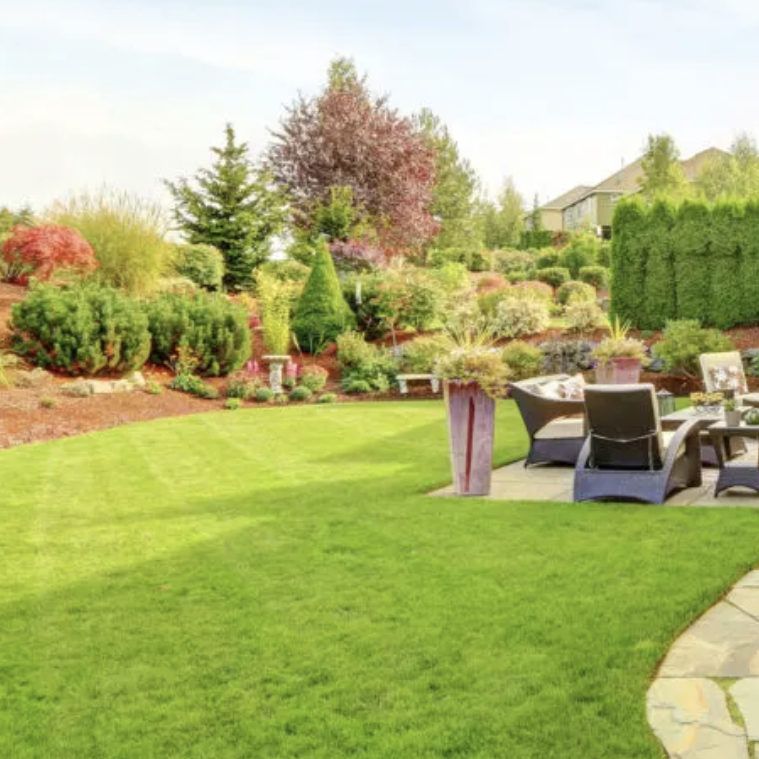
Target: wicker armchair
point(556, 426)
point(626, 455)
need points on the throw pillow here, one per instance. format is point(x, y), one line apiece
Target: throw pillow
point(729, 378)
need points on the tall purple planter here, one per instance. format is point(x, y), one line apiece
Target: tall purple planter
point(619, 371)
point(471, 424)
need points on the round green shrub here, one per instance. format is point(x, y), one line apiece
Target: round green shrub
point(281, 400)
point(322, 313)
point(300, 394)
point(523, 359)
point(547, 258)
point(684, 340)
point(597, 276)
point(555, 276)
point(200, 263)
point(263, 395)
point(581, 251)
point(575, 291)
point(83, 329)
point(532, 290)
point(241, 387)
point(327, 398)
point(212, 327)
point(515, 318)
point(232, 404)
point(313, 377)
point(357, 387)
point(584, 316)
point(520, 275)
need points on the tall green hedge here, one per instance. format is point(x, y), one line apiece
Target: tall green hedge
point(660, 301)
point(693, 261)
point(628, 259)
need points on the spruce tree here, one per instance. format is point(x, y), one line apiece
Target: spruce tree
point(322, 313)
point(232, 206)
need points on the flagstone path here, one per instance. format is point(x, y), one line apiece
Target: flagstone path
point(704, 703)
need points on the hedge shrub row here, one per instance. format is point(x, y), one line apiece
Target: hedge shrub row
point(89, 328)
point(692, 261)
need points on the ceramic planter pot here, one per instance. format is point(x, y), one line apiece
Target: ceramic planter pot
point(733, 418)
point(619, 371)
point(471, 423)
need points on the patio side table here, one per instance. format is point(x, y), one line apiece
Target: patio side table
point(733, 474)
point(705, 422)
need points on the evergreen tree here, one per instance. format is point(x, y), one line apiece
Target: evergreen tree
point(503, 222)
point(455, 189)
point(662, 171)
point(322, 313)
point(232, 206)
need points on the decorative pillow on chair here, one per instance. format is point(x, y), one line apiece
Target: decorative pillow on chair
point(572, 389)
point(729, 378)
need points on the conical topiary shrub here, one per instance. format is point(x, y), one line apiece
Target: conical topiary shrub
point(322, 313)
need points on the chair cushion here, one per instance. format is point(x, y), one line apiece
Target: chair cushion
point(750, 399)
point(728, 378)
point(572, 388)
point(667, 436)
point(559, 429)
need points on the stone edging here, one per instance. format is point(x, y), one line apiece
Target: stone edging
point(704, 703)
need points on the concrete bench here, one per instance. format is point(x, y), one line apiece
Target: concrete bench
point(404, 379)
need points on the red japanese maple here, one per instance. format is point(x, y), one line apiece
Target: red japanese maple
point(347, 138)
point(40, 251)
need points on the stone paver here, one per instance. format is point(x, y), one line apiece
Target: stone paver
point(691, 719)
point(687, 705)
point(745, 693)
point(723, 643)
point(746, 599)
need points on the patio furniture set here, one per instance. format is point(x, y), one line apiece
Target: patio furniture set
point(623, 447)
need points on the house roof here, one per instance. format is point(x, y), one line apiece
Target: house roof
point(568, 198)
point(627, 180)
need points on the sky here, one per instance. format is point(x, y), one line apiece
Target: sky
point(554, 93)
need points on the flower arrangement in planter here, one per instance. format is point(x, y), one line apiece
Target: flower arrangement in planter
point(474, 375)
point(618, 359)
point(707, 403)
point(733, 414)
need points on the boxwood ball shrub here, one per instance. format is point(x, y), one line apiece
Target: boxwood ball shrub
point(201, 264)
point(263, 395)
point(83, 329)
point(547, 258)
point(584, 316)
point(523, 359)
point(575, 291)
point(327, 398)
point(322, 313)
point(555, 276)
point(301, 393)
point(596, 276)
point(515, 318)
point(313, 377)
point(214, 328)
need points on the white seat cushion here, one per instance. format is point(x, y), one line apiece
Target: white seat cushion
point(667, 436)
point(559, 429)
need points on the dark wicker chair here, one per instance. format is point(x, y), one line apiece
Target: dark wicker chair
point(626, 455)
point(556, 427)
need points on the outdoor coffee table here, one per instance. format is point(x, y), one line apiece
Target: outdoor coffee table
point(706, 421)
point(733, 474)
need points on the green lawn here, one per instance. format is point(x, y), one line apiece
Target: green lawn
point(274, 583)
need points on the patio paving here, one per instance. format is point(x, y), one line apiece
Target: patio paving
point(555, 483)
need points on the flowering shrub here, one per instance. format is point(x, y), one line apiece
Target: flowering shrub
point(523, 359)
point(515, 318)
point(313, 377)
point(41, 251)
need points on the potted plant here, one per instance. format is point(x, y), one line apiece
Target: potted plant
point(732, 413)
point(474, 375)
point(618, 359)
